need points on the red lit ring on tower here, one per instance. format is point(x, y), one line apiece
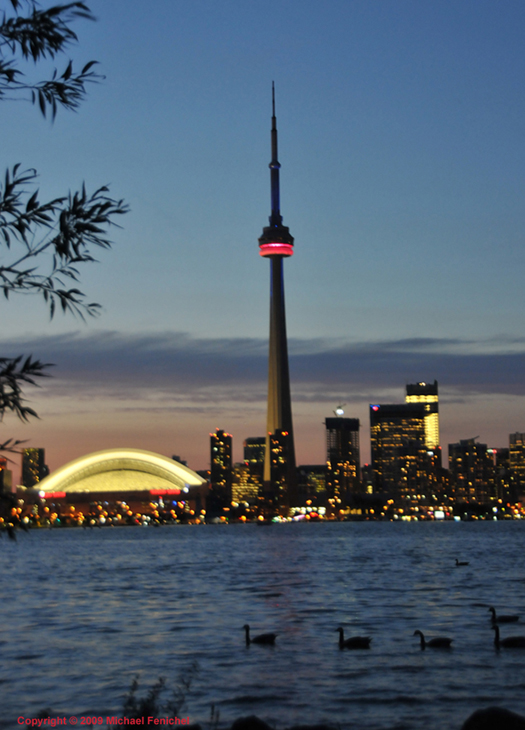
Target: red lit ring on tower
point(276, 249)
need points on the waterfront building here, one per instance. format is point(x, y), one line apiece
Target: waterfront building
point(517, 462)
point(312, 483)
point(34, 468)
point(427, 393)
point(254, 454)
point(276, 244)
point(254, 450)
point(504, 488)
point(244, 487)
point(129, 481)
point(6, 477)
point(472, 472)
point(342, 458)
point(221, 466)
point(367, 478)
point(281, 444)
point(401, 465)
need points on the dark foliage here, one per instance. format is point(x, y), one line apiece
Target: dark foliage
point(43, 244)
point(36, 35)
point(58, 234)
point(15, 372)
point(153, 704)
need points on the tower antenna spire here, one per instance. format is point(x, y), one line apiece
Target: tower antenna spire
point(276, 238)
point(276, 218)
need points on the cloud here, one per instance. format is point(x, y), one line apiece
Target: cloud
point(166, 391)
point(149, 366)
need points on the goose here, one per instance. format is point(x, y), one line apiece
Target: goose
point(510, 642)
point(461, 562)
point(354, 642)
point(505, 619)
point(260, 639)
point(440, 642)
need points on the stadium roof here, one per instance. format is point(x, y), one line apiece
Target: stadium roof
point(121, 470)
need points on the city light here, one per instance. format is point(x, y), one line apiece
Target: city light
point(276, 249)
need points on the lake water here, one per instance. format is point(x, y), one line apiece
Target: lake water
point(84, 611)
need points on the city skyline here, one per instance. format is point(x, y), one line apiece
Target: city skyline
point(402, 154)
point(339, 415)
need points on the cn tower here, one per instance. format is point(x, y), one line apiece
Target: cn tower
point(276, 244)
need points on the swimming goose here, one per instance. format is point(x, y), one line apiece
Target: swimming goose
point(354, 642)
point(461, 562)
point(505, 619)
point(510, 642)
point(440, 642)
point(261, 639)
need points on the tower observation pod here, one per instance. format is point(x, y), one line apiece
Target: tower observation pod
point(276, 243)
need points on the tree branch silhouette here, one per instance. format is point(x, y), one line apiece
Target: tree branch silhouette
point(38, 35)
point(43, 244)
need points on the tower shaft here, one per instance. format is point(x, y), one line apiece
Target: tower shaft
point(279, 414)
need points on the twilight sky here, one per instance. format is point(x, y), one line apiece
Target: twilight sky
point(402, 147)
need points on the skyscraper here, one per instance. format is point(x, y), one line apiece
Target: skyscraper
point(276, 243)
point(342, 457)
point(399, 454)
point(244, 488)
point(34, 468)
point(427, 393)
point(504, 487)
point(517, 461)
point(254, 453)
point(254, 450)
point(5, 476)
point(221, 466)
point(472, 471)
point(280, 458)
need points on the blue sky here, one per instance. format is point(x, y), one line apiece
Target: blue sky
point(403, 177)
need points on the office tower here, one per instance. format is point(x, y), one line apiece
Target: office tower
point(427, 393)
point(34, 468)
point(244, 487)
point(254, 450)
point(517, 463)
point(254, 453)
point(221, 466)
point(367, 478)
point(6, 482)
point(503, 485)
point(401, 465)
point(276, 244)
point(3, 472)
point(280, 458)
point(342, 458)
point(472, 471)
point(312, 482)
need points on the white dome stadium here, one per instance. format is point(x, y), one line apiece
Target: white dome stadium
point(121, 470)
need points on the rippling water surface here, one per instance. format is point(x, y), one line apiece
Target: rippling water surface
point(84, 611)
